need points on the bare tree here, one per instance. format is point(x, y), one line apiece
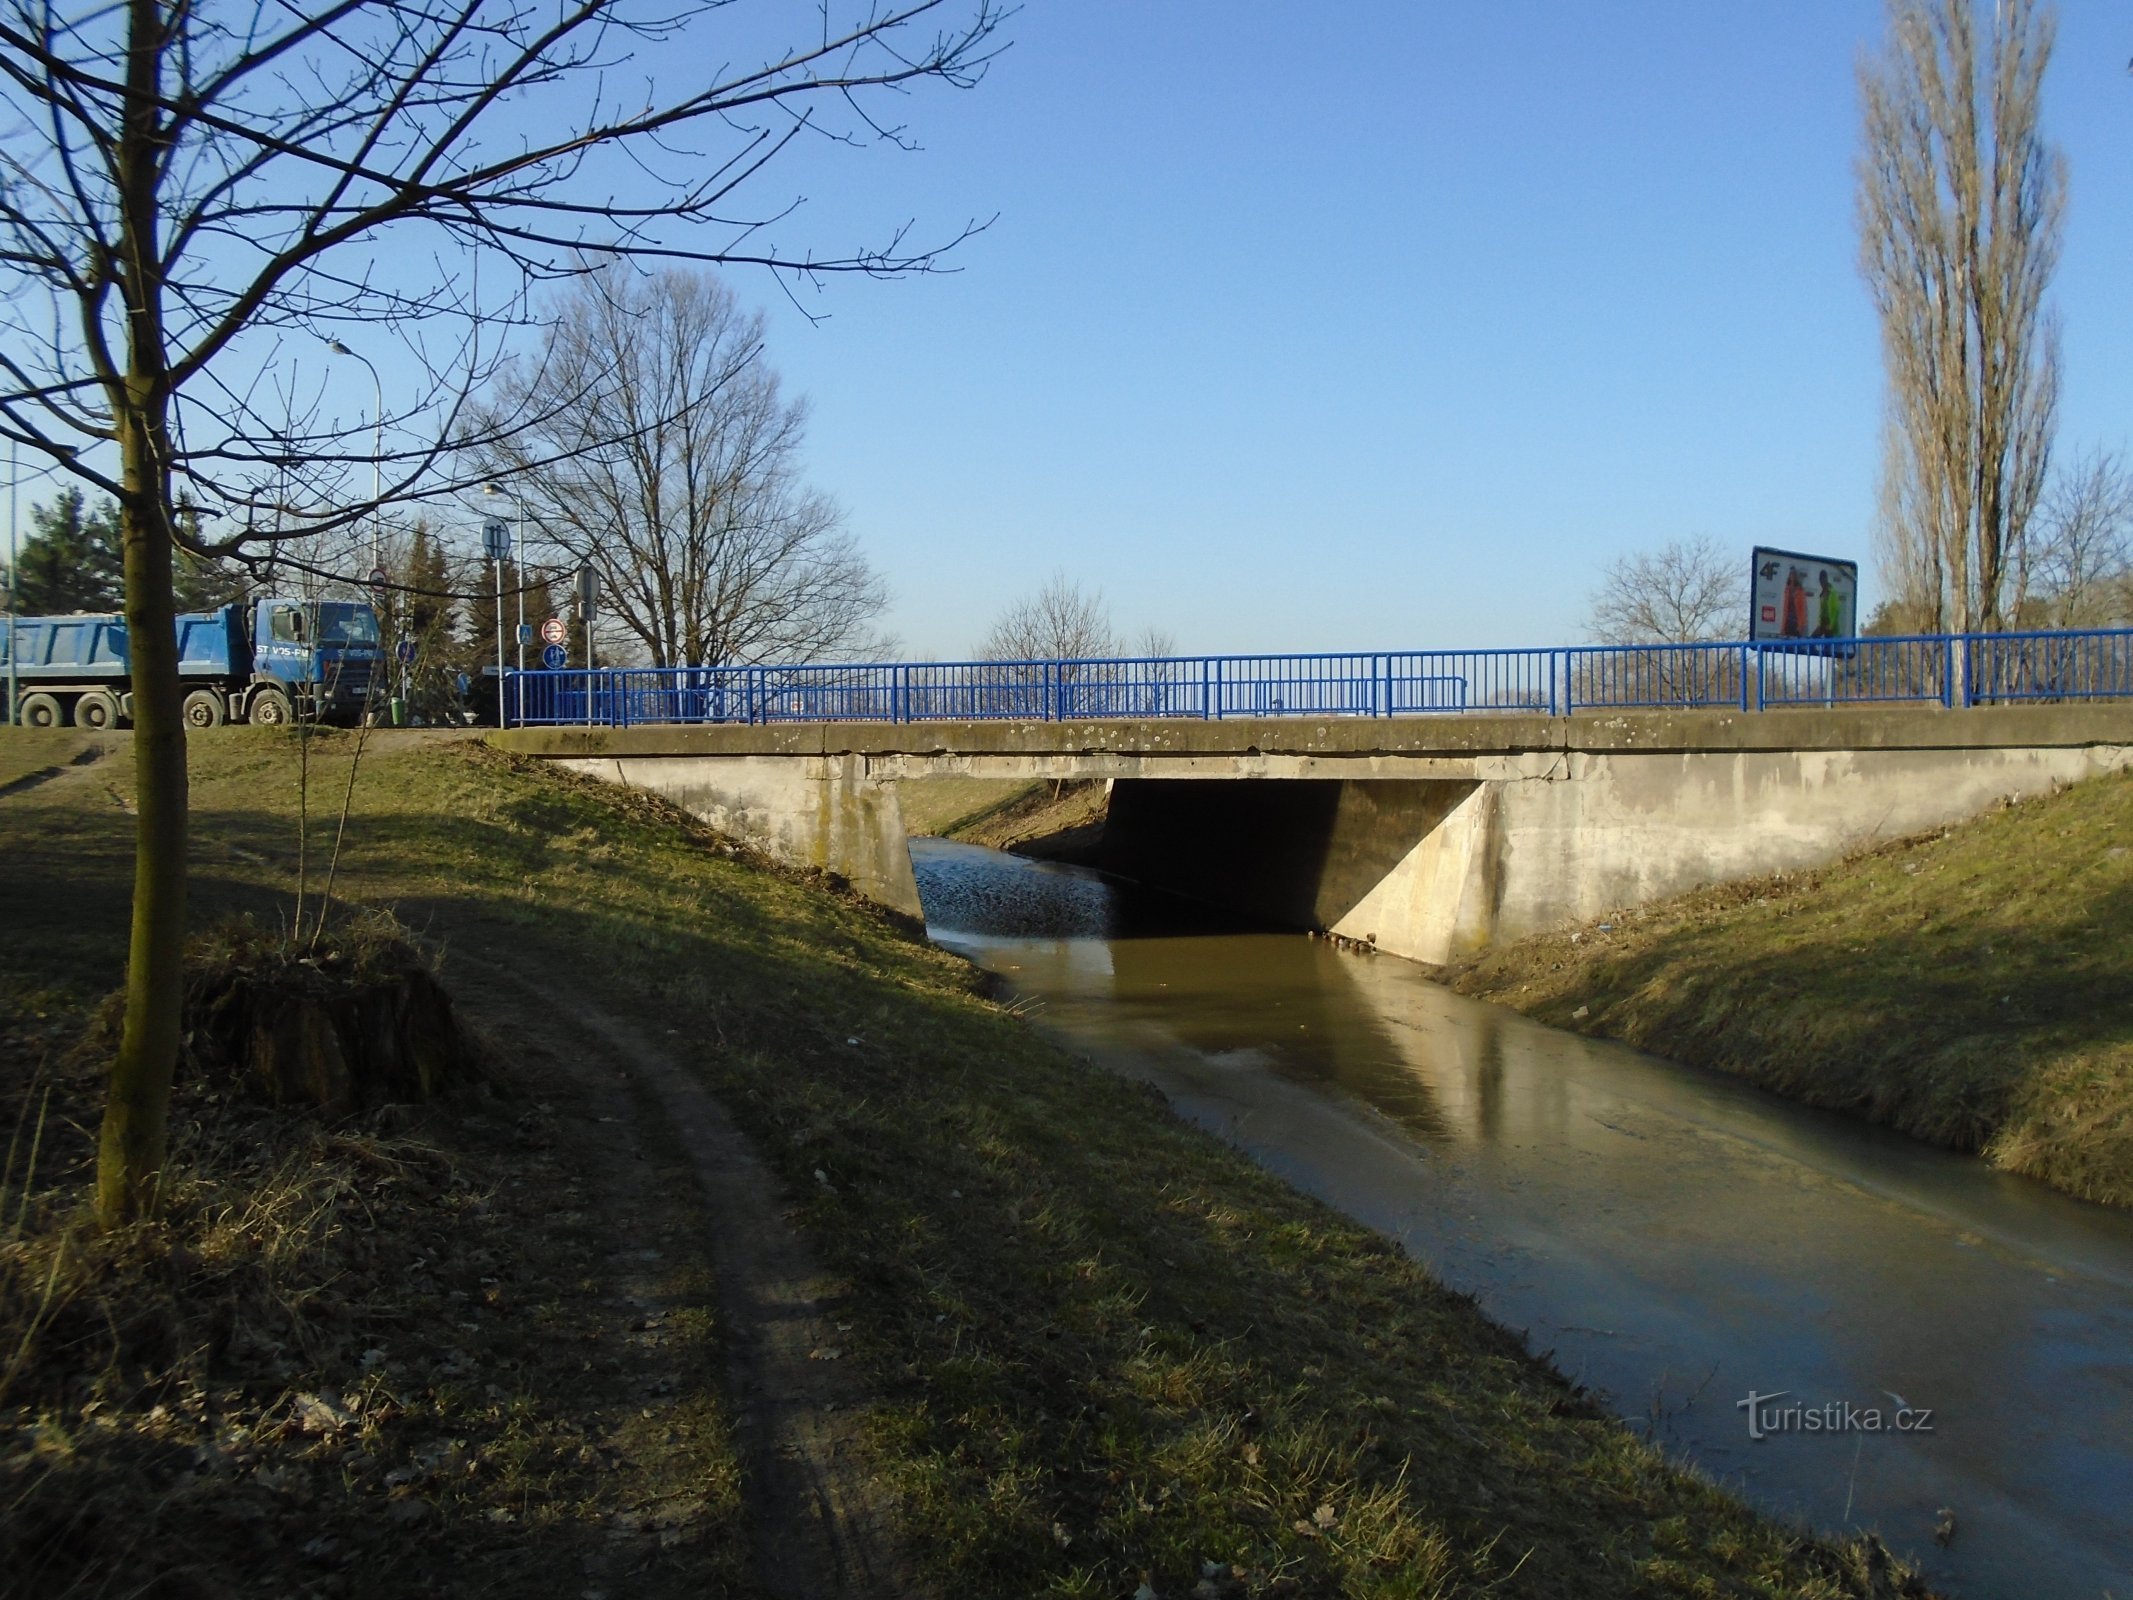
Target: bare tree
point(676, 476)
point(1060, 622)
point(1682, 593)
point(1960, 203)
point(192, 192)
point(2079, 554)
point(1153, 643)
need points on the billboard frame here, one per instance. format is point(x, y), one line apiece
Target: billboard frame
point(1766, 637)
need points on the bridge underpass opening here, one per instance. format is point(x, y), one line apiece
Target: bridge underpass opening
point(1371, 859)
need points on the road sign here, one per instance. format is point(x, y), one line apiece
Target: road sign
point(588, 586)
point(379, 579)
point(405, 650)
point(525, 633)
point(555, 658)
point(496, 540)
point(555, 630)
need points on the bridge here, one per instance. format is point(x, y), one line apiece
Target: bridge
point(1425, 833)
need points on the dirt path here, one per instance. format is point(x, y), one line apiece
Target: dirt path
point(81, 759)
point(819, 1526)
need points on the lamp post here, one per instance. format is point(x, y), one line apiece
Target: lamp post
point(377, 452)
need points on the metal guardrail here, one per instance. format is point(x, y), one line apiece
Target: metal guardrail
point(1950, 670)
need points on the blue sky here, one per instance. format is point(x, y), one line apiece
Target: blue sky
point(1384, 325)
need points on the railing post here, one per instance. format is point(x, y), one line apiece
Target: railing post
point(1762, 682)
point(1214, 704)
point(1570, 686)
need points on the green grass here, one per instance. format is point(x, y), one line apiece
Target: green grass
point(1973, 988)
point(1104, 1349)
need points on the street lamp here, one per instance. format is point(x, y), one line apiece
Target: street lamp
point(377, 452)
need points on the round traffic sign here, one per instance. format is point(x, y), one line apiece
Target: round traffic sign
point(379, 577)
point(555, 658)
point(555, 630)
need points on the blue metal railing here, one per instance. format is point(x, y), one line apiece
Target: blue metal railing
point(1935, 669)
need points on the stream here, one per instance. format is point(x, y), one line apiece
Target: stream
point(1670, 1237)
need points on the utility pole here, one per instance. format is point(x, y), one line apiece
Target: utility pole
point(518, 553)
point(14, 560)
point(588, 595)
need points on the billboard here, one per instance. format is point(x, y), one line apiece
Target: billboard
point(1793, 596)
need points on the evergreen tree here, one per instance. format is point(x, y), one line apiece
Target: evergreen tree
point(72, 560)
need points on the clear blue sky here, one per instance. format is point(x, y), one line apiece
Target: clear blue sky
point(1388, 324)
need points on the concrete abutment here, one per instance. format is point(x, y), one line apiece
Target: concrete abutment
point(1428, 836)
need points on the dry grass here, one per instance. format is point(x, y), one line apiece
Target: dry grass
point(1973, 987)
point(1104, 1350)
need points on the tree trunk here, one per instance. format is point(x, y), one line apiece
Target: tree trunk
point(129, 1168)
point(130, 1156)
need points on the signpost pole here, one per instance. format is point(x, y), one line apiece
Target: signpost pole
point(496, 545)
point(499, 565)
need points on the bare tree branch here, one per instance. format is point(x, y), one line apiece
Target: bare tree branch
point(673, 470)
point(1960, 203)
point(1685, 592)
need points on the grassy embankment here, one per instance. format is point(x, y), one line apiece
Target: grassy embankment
point(1049, 818)
point(1104, 1351)
point(1973, 987)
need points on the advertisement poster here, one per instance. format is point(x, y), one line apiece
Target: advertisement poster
point(1799, 597)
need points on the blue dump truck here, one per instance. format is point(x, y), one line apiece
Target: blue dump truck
point(264, 662)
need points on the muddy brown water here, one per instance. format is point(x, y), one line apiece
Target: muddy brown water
point(1671, 1237)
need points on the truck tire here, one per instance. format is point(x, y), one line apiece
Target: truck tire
point(204, 709)
point(96, 711)
point(270, 708)
point(42, 711)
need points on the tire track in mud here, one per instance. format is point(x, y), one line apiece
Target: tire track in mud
point(821, 1528)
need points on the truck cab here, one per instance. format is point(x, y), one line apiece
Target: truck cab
point(319, 656)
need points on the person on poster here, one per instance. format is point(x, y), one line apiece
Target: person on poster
point(1795, 606)
point(1829, 608)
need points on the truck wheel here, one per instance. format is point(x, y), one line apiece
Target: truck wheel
point(270, 709)
point(96, 711)
point(203, 709)
point(42, 711)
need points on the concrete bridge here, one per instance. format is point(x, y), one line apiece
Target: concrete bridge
point(1430, 836)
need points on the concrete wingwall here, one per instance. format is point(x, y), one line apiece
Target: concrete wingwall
point(1520, 856)
point(821, 811)
point(1430, 837)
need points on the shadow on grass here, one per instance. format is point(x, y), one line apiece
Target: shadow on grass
point(1105, 1347)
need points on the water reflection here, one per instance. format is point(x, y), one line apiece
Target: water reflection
point(1673, 1237)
